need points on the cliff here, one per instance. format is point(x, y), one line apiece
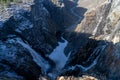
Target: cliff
point(60, 40)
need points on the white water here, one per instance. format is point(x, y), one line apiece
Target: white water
point(58, 55)
point(36, 56)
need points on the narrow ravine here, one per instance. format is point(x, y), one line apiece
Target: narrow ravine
point(60, 59)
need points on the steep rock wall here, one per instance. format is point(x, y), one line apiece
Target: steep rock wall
point(30, 22)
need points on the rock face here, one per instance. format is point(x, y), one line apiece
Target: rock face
point(35, 22)
point(30, 23)
point(100, 20)
point(16, 58)
point(31, 30)
point(102, 23)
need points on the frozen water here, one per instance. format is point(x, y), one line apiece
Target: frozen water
point(36, 56)
point(85, 68)
point(58, 55)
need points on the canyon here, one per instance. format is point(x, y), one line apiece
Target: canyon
point(60, 40)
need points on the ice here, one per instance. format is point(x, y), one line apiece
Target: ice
point(59, 58)
point(36, 56)
point(58, 55)
point(85, 68)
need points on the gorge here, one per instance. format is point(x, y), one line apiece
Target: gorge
point(59, 39)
